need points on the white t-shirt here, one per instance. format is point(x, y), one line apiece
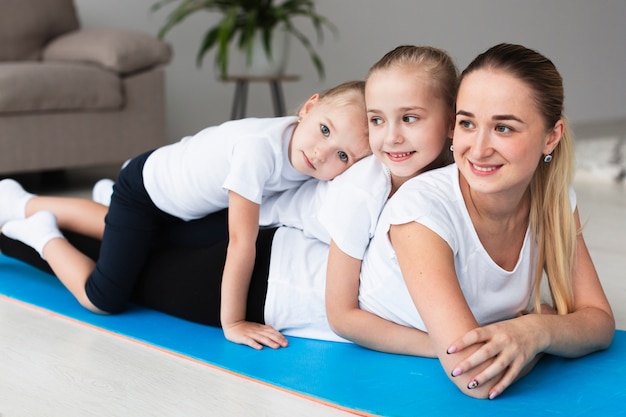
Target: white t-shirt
point(191, 178)
point(298, 208)
point(353, 203)
point(434, 199)
point(349, 205)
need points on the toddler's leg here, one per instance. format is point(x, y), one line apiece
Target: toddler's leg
point(13, 201)
point(40, 231)
point(35, 231)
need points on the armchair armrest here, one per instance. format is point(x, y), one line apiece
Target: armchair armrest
point(121, 51)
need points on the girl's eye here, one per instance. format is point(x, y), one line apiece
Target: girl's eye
point(503, 129)
point(325, 130)
point(409, 119)
point(343, 156)
point(376, 121)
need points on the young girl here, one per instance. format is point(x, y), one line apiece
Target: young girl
point(175, 194)
point(409, 95)
point(472, 241)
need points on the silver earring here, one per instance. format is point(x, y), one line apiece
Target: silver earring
point(547, 158)
point(451, 148)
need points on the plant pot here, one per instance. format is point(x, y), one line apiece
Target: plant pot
point(260, 65)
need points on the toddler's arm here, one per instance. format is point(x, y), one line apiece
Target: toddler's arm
point(243, 227)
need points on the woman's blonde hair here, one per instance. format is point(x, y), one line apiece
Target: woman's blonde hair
point(551, 217)
point(442, 72)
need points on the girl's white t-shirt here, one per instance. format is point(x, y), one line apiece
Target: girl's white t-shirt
point(191, 178)
point(353, 203)
point(348, 210)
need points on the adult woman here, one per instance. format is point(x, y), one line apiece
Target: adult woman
point(472, 240)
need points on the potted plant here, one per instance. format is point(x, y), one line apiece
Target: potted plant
point(242, 21)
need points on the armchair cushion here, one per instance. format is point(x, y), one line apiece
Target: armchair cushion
point(57, 86)
point(122, 51)
point(27, 25)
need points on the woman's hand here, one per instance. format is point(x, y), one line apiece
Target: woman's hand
point(512, 346)
point(254, 335)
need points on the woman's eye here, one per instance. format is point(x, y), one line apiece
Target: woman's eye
point(376, 121)
point(343, 156)
point(409, 119)
point(325, 130)
point(465, 124)
point(503, 129)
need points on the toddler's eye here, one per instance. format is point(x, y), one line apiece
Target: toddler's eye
point(376, 121)
point(343, 156)
point(325, 130)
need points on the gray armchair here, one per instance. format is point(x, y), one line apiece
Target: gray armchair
point(71, 97)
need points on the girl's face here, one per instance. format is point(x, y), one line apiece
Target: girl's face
point(329, 138)
point(500, 136)
point(408, 124)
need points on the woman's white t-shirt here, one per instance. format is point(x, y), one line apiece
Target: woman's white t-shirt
point(434, 199)
point(191, 178)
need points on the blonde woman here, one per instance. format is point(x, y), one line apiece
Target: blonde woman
point(473, 240)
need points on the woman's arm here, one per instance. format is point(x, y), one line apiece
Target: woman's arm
point(427, 265)
point(243, 228)
point(588, 328)
point(364, 328)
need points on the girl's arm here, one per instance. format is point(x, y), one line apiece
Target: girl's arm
point(588, 328)
point(243, 228)
point(364, 328)
point(427, 265)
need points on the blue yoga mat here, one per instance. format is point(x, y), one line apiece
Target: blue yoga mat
point(348, 376)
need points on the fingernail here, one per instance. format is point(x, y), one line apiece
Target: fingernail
point(473, 384)
point(493, 394)
point(457, 371)
point(451, 349)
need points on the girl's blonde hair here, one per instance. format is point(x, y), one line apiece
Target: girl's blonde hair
point(551, 218)
point(442, 72)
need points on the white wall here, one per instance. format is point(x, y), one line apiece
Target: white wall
point(585, 39)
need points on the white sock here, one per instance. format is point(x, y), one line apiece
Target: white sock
point(13, 201)
point(102, 191)
point(35, 231)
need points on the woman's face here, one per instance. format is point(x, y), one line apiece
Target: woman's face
point(500, 135)
point(408, 124)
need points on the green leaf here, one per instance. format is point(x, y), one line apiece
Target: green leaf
point(241, 19)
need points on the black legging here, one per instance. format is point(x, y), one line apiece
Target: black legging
point(135, 228)
point(182, 282)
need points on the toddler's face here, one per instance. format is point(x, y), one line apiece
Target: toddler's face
point(328, 138)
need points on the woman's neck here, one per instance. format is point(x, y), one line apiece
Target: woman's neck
point(500, 221)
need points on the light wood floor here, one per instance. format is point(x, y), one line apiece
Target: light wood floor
point(50, 366)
